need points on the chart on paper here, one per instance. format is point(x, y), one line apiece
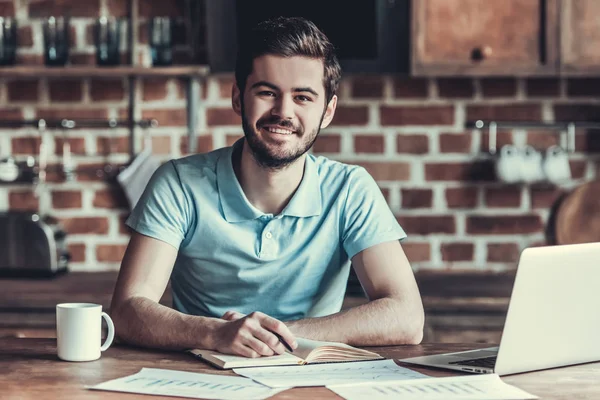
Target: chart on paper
point(329, 374)
point(188, 384)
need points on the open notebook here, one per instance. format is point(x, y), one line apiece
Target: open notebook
point(308, 352)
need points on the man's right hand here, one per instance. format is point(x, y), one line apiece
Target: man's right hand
point(252, 336)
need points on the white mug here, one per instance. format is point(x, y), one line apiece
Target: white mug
point(531, 165)
point(78, 331)
point(556, 165)
point(508, 164)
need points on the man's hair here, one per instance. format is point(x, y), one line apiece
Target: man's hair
point(288, 37)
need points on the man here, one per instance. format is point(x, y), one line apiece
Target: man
point(258, 238)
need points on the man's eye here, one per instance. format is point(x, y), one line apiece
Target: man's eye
point(303, 98)
point(266, 93)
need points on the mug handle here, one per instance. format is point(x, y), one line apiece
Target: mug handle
point(111, 332)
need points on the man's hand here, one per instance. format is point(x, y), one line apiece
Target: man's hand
point(252, 335)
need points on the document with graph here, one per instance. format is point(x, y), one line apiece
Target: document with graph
point(329, 374)
point(472, 387)
point(165, 382)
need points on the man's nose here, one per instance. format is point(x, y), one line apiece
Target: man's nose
point(283, 108)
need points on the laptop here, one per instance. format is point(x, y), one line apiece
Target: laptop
point(553, 317)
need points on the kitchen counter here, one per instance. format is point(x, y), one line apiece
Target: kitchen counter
point(459, 306)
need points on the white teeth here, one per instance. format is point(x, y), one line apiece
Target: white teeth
point(282, 131)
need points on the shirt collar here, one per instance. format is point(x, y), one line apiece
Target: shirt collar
point(306, 202)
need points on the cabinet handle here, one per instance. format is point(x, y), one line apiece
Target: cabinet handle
point(481, 53)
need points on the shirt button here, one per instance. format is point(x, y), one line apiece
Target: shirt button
point(268, 235)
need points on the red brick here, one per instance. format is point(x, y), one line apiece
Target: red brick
point(502, 138)
point(77, 251)
point(66, 199)
point(506, 196)
point(111, 145)
point(350, 115)
point(330, 143)
point(107, 89)
point(417, 252)
point(7, 8)
point(369, 144)
point(427, 225)
point(225, 83)
point(22, 90)
point(110, 252)
point(231, 139)
point(154, 89)
point(29, 59)
point(110, 198)
point(23, 201)
point(222, 116)
point(387, 171)
point(161, 144)
point(543, 139)
point(117, 8)
point(24, 36)
point(54, 173)
point(503, 252)
point(514, 112)
point(542, 87)
point(123, 228)
point(461, 197)
point(499, 87)
point(72, 113)
point(459, 171)
point(204, 144)
point(578, 168)
point(10, 113)
point(386, 194)
point(77, 145)
point(507, 225)
point(587, 141)
point(74, 8)
point(95, 172)
point(65, 90)
point(411, 87)
point(412, 144)
point(151, 8)
point(76, 58)
point(457, 251)
point(26, 145)
point(583, 87)
point(85, 225)
point(455, 87)
point(545, 197)
point(576, 112)
point(455, 142)
point(417, 115)
point(367, 86)
point(416, 198)
point(174, 117)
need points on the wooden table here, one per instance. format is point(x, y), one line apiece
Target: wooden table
point(30, 369)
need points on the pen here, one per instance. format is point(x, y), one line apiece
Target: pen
point(287, 346)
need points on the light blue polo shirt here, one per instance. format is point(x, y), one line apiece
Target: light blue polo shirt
point(232, 256)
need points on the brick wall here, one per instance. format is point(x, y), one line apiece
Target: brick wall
point(408, 132)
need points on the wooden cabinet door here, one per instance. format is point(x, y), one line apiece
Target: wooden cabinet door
point(484, 37)
point(580, 37)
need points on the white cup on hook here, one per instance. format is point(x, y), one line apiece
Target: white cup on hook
point(508, 164)
point(556, 165)
point(531, 165)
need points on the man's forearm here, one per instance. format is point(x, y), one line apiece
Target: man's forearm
point(143, 322)
point(381, 322)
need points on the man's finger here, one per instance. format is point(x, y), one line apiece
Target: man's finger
point(278, 327)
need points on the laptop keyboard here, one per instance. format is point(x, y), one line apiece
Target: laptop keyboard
point(486, 362)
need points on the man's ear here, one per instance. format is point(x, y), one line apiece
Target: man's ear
point(329, 112)
point(236, 102)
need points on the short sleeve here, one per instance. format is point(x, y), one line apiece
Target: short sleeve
point(367, 218)
point(163, 211)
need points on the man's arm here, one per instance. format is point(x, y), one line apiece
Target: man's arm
point(394, 314)
point(140, 319)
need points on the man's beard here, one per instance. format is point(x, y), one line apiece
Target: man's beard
point(260, 150)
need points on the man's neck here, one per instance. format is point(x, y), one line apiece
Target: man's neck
point(268, 190)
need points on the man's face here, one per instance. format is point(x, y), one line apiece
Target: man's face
point(283, 108)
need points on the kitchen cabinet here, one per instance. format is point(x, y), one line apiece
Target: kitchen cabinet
point(482, 37)
point(580, 37)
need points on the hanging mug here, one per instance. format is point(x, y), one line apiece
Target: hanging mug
point(556, 165)
point(531, 165)
point(508, 164)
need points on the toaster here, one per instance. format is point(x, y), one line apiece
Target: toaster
point(31, 245)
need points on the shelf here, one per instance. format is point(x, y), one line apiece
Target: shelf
point(93, 71)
